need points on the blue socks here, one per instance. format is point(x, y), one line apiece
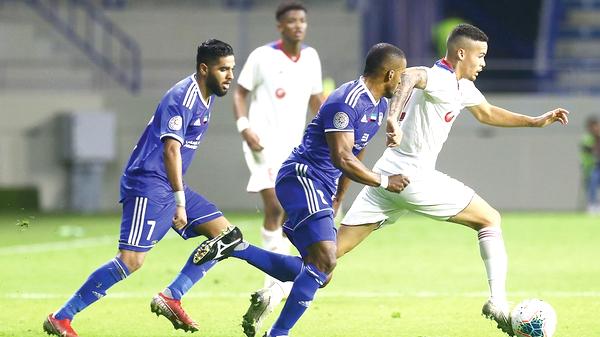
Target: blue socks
point(94, 288)
point(280, 266)
point(305, 286)
point(189, 275)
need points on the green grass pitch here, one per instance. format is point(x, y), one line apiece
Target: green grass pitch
point(416, 278)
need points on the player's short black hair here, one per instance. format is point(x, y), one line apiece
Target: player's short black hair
point(288, 5)
point(468, 31)
point(378, 55)
point(211, 50)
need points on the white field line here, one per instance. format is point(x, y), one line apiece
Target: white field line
point(65, 245)
point(326, 294)
point(58, 245)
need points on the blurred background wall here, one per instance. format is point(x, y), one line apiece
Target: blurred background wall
point(56, 58)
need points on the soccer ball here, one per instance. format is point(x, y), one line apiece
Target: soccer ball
point(533, 318)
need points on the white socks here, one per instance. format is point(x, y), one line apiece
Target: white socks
point(493, 253)
point(275, 241)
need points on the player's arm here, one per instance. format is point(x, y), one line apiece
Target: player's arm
point(314, 103)
point(173, 166)
point(240, 111)
point(411, 78)
point(489, 114)
point(343, 184)
point(340, 146)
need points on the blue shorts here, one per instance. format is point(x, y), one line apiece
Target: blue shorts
point(146, 221)
point(308, 206)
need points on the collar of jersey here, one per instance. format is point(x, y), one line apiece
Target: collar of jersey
point(361, 81)
point(195, 83)
point(444, 64)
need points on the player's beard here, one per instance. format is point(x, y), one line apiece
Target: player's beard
point(215, 87)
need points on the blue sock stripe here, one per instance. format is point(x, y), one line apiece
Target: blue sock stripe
point(121, 267)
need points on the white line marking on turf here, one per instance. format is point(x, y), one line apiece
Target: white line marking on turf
point(58, 245)
point(65, 245)
point(326, 294)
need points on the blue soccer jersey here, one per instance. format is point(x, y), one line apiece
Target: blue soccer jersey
point(183, 115)
point(349, 108)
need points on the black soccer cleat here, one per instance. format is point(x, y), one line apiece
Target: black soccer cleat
point(218, 248)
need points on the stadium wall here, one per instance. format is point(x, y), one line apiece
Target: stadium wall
point(514, 169)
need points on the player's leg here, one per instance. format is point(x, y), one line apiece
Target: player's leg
point(372, 207)
point(483, 218)
point(315, 239)
point(349, 237)
point(140, 230)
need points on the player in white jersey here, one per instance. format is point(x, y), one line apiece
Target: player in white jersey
point(421, 115)
point(281, 79)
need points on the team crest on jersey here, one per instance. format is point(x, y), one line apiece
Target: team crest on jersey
point(341, 120)
point(175, 123)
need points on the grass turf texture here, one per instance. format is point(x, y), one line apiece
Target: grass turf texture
point(417, 278)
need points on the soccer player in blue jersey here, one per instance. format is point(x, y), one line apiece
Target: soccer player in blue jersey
point(307, 182)
point(153, 193)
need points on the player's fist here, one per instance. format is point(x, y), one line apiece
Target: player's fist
point(397, 183)
point(393, 134)
point(179, 218)
point(252, 140)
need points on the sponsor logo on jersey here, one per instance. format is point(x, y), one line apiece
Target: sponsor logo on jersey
point(448, 117)
point(341, 120)
point(175, 123)
point(280, 93)
point(197, 122)
point(364, 119)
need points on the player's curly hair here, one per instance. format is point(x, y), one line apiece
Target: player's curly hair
point(288, 5)
point(211, 50)
point(468, 31)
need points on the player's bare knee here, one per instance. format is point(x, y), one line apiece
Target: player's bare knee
point(492, 218)
point(327, 262)
point(132, 260)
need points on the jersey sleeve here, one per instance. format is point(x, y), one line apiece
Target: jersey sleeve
point(317, 81)
point(249, 76)
point(470, 94)
point(338, 117)
point(172, 119)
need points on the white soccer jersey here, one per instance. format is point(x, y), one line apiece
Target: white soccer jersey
point(280, 90)
point(428, 117)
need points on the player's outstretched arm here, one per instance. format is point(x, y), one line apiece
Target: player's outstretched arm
point(411, 78)
point(489, 114)
point(173, 166)
point(340, 147)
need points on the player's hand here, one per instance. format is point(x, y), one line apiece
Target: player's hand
point(252, 140)
point(180, 217)
point(557, 115)
point(393, 134)
point(397, 183)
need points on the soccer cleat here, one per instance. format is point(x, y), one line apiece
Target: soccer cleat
point(219, 247)
point(59, 327)
point(499, 312)
point(172, 310)
point(260, 308)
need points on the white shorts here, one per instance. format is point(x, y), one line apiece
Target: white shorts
point(431, 193)
point(264, 166)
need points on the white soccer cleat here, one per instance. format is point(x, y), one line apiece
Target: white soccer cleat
point(500, 313)
point(260, 307)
